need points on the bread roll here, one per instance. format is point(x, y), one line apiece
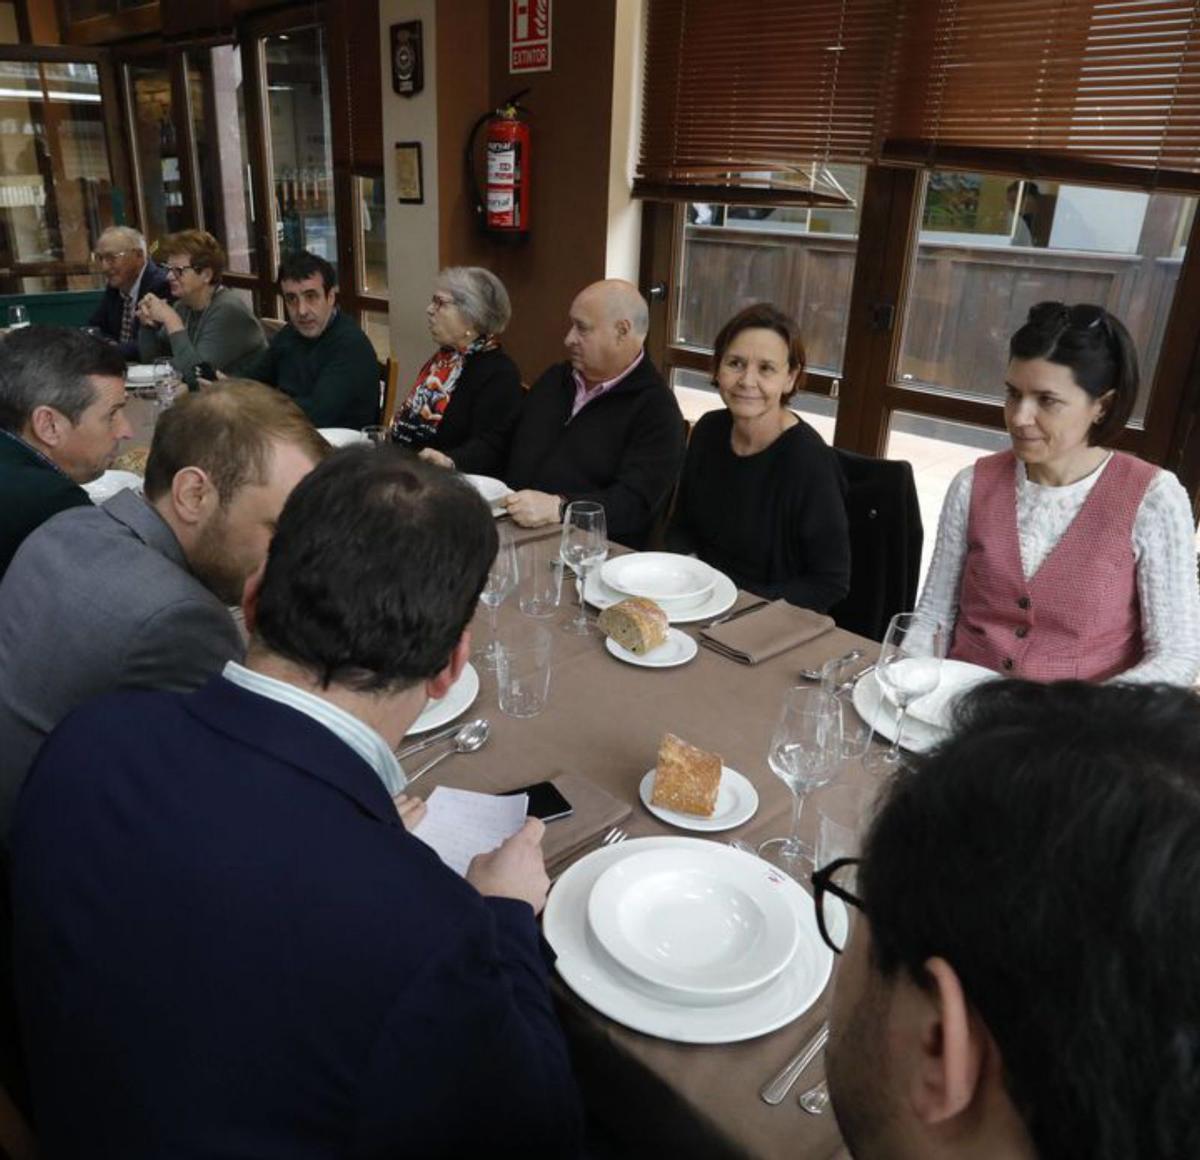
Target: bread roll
point(636, 624)
point(686, 779)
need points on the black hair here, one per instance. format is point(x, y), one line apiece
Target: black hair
point(302, 264)
point(1049, 850)
point(375, 569)
point(1095, 347)
point(49, 366)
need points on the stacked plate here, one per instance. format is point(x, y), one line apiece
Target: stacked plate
point(342, 436)
point(492, 490)
point(928, 718)
point(110, 483)
point(458, 699)
point(687, 940)
point(685, 588)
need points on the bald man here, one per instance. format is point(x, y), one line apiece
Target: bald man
point(602, 426)
point(129, 274)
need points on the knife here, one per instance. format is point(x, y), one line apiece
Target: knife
point(425, 742)
point(728, 616)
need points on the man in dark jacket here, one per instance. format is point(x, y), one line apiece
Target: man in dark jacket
point(321, 358)
point(121, 254)
point(602, 426)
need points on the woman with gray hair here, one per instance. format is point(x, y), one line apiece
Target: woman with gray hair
point(462, 408)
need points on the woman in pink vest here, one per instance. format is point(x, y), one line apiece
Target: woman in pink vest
point(1062, 558)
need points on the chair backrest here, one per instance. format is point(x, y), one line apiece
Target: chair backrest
point(271, 326)
point(388, 384)
point(886, 535)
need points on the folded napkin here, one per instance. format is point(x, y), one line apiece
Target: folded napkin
point(766, 632)
point(596, 811)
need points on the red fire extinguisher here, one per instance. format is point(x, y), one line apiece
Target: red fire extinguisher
point(503, 207)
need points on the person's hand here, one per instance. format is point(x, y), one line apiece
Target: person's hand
point(515, 869)
point(412, 810)
point(532, 509)
point(153, 311)
point(431, 456)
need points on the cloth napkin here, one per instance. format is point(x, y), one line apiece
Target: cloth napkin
point(766, 632)
point(596, 812)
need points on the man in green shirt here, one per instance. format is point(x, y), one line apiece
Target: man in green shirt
point(321, 358)
point(62, 419)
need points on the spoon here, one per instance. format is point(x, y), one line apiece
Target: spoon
point(472, 736)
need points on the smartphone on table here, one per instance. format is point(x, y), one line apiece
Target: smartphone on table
point(545, 801)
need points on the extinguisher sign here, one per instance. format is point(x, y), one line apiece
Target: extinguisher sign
point(528, 36)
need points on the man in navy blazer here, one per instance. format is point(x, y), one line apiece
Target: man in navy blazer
point(227, 942)
point(129, 275)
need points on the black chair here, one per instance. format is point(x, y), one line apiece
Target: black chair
point(885, 542)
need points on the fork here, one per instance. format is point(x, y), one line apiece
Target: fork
point(614, 837)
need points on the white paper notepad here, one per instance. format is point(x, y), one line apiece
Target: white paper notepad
point(460, 823)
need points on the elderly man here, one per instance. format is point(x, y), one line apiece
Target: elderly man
point(321, 358)
point(227, 943)
point(134, 593)
point(1022, 979)
point(62, 418)
point(602, 426)
point(129, 275)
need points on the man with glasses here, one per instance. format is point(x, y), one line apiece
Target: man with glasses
point(129, 275)
point(1021, 979)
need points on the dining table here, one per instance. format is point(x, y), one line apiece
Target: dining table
point(603, 722)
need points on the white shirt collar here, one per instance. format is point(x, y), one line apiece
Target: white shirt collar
point(137, 285)
point(364, 740)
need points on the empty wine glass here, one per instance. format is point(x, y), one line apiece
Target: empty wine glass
point(910, 665)
point(18, 316)
point(803, 754)
point(501, 582)
point(584, 544)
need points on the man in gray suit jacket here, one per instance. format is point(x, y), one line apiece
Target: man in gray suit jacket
point(134, 594)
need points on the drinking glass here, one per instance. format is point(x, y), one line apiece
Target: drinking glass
point(843, 810)
point(910, 665)
point(164, 383)
point(375, 435)
point(803, 754)
point(541, 570)
point(584, 544)
point(837, 680)
point(18, 316)
point(523, 670)
point(500, 583)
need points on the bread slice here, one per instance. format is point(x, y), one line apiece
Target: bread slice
point(686, 779)
point(636, 624)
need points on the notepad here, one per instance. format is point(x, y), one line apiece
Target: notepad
point(460, 823)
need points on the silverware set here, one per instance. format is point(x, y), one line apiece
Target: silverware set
point(775, 1090)
point(463, 739)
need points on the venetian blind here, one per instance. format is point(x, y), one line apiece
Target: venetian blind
point(739, 95)
point(360, 146)
point(1093, 89)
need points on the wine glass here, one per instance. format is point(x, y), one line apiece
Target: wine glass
point(501, 582)
point(18, 316)
point(584, 543)
point(164, 383)
point(803, 754)
point(910, 665)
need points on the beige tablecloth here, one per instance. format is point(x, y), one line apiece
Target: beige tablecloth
point(603, 721)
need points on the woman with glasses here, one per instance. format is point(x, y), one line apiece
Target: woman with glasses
point(1062, 558)
point(464, 404)
point(209, 328)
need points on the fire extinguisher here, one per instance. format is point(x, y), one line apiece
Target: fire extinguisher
point(503, 207)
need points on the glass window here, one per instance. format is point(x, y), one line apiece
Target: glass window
point(218, 110)
point(157, 146)
point(800, 258)
point(696, 395)
point(56, 190)
point(990, 247)
point(372, 235)
point(375, 326)
point(301, 156)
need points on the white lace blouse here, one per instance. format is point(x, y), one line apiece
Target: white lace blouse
point(1164, 549)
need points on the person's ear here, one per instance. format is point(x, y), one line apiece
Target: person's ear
point(48, 425)
point(250, 594)
point(624, 328)
point(438, 686)
point(1106, 402)
point(949, 1042)
point(193, 495)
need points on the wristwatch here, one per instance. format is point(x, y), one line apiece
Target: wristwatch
point(562, 507)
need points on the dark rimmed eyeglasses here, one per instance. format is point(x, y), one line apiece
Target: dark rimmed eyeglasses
point(1060, 316)
point(833, 891)
point(177, 270)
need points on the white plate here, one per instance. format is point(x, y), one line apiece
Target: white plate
point(957, 677)
point(677, 649)
point(600, 981)
point(459, 699)
point(704, 921)
point(874, 708)
point(140, 373)
point(342, 436)
point(661, 576)
point(112, 482)
point(722, 598)
point(737, 802)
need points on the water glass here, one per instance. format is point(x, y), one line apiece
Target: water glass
point(541, 570)
point(375, 434)
point(843, 812)
point(523, 670)
point(584, 544)
point(837, 682)
point(910, 665)
point(500, 584)
point(18, 316)
point(165, 383)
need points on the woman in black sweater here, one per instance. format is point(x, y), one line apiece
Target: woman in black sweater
point(462, 408)
point(761, 496)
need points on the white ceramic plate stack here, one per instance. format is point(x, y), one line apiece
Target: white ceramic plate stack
point(460, 697)
point(492, 490)
point(342, 436)
point(687, 940)
point(928, 717)
point(685, 588)
point(141, 374)
point(112, 482)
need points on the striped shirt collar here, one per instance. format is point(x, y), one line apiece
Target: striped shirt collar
point(364, 740)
